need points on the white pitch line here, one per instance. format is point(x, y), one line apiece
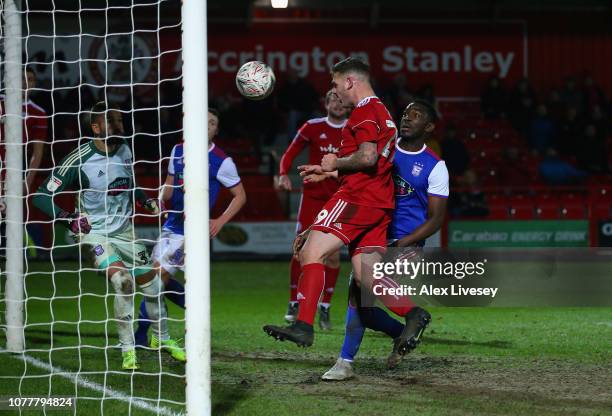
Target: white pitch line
point(604, 323)
point(58, 371)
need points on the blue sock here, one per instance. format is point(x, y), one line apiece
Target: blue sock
point(176, 298)
point(379, 320)
point(140, 335)
point(353, 334)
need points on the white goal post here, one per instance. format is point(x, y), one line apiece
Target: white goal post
point(15, 297)
point(13, 140)
point(197, 245)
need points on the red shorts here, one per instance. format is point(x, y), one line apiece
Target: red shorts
point(358, 226)
point(309, 208)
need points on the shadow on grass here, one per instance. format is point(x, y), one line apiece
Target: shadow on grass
point(445, 341)
point(225, 397)
point(43, 336)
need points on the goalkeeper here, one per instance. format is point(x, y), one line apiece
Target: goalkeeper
point(101, 171)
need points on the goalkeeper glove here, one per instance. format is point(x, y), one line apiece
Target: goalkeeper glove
point(78, 223)
point(151, 205)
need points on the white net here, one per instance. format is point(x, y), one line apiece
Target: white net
point(100, 170)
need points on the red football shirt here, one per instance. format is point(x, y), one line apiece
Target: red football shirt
point(370, 121)
point(34, 125)
point(321, 137)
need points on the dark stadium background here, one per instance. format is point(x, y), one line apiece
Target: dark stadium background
point(532, 155)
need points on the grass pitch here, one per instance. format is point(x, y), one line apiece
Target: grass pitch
point(473, 361)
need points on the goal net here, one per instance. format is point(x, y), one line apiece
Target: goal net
point(91, 96)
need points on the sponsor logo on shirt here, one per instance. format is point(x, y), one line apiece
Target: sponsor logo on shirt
point(323, 136)
point(402, 187)
point(100, 174)
point(329, 149)
point(391, 124)
point(118, 185)
point(53, 184)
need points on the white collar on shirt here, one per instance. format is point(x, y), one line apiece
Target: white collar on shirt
point(410, 153)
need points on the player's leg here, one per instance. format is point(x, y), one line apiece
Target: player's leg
point(295, 271)
point(106, 258)
point(148, 278)
point(307, 213)
point(316, 249)
point(171, 260)
point(364, 257)
point(332, 270)
point(353, 335)
point(123, 307)
point(169, 253)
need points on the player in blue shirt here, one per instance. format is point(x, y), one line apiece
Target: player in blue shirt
point(169, 250)
point(421, 192)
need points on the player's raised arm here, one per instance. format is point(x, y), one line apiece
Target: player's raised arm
point(298, 144)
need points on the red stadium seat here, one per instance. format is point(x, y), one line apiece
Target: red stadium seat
point(498, 212)
point(574, 210)
point(548, 206)
point(521, 207)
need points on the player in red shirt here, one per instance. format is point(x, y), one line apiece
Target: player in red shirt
point(321, 136)
point(34, 130)
point(360, 211)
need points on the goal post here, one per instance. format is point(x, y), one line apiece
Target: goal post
point(197, 244)
point(58, 308)
point(13, 141)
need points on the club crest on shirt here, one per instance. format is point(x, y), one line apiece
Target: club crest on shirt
point(402, 186)
point(98, 250)
point(53, 184)
point(416, 169)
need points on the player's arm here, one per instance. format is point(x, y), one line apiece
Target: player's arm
point(168, 186)
point(435, 218)
point(295, 148)
point(314, 173)
point(34, 162)
point(365, 157)
point(437, 198)
point(62, 177)
point(38, 138)
point(228, 176)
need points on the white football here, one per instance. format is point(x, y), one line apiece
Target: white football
point(255, 80)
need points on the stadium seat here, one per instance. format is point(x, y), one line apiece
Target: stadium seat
point(521, 208)
point(573, 206)
point(498, 212)
point(548, 206)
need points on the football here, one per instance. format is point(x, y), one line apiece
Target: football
point(255, 80)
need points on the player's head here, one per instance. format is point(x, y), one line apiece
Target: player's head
point(349, 76)
point(106, 123)
point(418, 120)
point(334, 106)
point(29, 78)
point(213, 123)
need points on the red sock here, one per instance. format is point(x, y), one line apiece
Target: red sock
point(296, 271)
point(331, 276)
point(399, 305)
point(309, 290)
